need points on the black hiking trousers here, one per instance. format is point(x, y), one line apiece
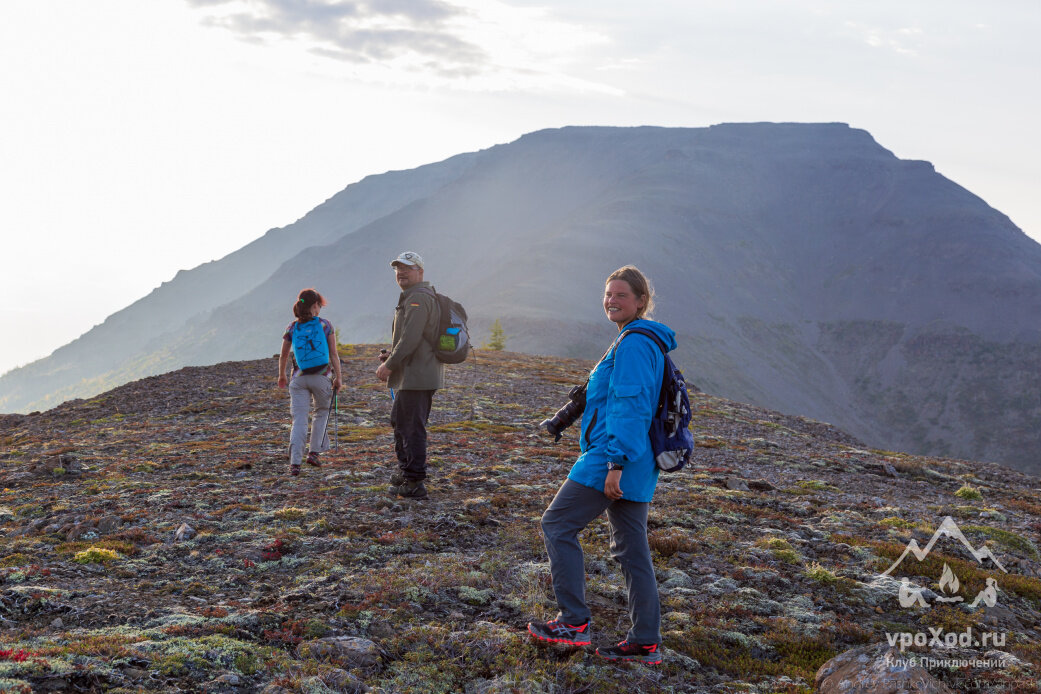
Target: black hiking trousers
point(409, 417)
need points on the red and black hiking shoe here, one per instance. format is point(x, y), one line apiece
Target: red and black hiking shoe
point(294, 470)
point(312, 459)
point(558, 632)
point(648, 655)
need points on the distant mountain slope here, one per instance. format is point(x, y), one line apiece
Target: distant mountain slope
point(805, 267)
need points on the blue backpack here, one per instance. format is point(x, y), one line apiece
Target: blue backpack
point(671, 440)
point(310, 345)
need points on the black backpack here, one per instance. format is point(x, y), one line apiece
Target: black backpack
point(452, 342)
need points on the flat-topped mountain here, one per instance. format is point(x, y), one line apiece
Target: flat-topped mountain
point(804, 267)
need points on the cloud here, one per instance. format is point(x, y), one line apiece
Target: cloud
point(480, 45)
point(902, 40)
point(418, 32)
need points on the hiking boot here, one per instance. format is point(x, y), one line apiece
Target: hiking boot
point(294, 470)
point(411, 489)
point(312, 459)
point(557, 632)
point(648, 655)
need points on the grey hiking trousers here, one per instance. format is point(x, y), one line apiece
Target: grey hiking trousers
point(302, 389)
point(572, 509)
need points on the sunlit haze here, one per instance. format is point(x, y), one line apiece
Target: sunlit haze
point(142, 138)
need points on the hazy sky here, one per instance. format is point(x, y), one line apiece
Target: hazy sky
point(141, 138)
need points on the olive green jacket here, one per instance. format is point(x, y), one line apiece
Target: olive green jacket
point(411, 361)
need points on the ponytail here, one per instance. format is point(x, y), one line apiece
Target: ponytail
point(305, 302)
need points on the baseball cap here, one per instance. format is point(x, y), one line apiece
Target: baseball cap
point(408, 258)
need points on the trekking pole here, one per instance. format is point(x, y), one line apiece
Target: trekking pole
point(336, 411)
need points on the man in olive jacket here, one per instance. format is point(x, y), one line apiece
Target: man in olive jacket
point(413, 371)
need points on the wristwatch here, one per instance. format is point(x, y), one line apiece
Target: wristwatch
point(611, 465)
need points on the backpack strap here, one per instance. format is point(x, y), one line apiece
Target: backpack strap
point(430, 291)
point(660, 411)
point(648, 333)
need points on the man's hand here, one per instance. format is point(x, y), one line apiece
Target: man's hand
point(612, 487)
point(382, 372)
point(282, 381)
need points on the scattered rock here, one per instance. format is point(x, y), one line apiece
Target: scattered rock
point(184, 532)
point(737, 484)
point(349, 650)
point(109, 524)
point(342, 681)
point(760, 443)
point(875, 669)
point(674, 578)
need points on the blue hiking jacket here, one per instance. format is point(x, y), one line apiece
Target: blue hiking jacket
point(621, 398)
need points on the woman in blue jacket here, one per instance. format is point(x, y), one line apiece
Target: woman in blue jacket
point(616, 472)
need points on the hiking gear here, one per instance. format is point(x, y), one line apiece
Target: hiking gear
point(556, 631)
point(312, 459)
point(303, 390)
point(621, 398)
point(410, 258)
point(671, 440)
point(452, 342)
point(573, 508)
point(626, 650)
point(411, 489)
point(294, 470)
point(411, 361)
point(335, 416)
point(396, 480)
point(310, 345)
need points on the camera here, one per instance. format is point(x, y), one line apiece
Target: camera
point(567, 414)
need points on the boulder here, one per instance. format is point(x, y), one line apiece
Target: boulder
point(349, 650)
point(876, 669)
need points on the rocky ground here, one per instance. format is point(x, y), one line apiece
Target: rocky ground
point(152, 541)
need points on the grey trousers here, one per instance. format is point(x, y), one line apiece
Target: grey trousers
point(302, 389)
point(572, 509)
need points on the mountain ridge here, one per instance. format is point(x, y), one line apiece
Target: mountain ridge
point(804, 267)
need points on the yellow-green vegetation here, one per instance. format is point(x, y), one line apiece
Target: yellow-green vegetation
point(16, 559)
point(968, 492)
point(821, 574)
point(795, 656)
point(782, 549)
point(95, 555)
point(817, 486)
point(894, 522)
point(111, 544)
point(290, 513)
point(1005, 538)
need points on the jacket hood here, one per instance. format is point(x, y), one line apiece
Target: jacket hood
point(664, 332)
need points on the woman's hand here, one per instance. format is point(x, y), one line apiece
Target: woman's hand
point(337, 383)
point(282, 381)
point(612, 487)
